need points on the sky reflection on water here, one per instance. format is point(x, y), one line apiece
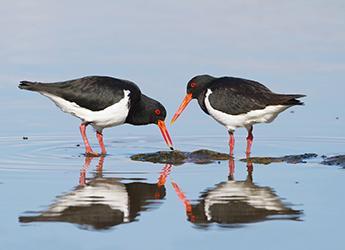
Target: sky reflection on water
point(290, 46)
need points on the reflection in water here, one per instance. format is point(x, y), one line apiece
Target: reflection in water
point(234, 203)
point(103, 202)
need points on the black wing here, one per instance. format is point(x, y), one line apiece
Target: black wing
point(92, 92)
point(238, 96)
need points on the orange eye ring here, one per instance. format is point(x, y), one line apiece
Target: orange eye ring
point(193, 84)
point(157, 112)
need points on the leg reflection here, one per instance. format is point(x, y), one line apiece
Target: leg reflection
point(83, 170)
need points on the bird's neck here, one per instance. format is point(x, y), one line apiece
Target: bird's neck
point(201, 101)
point(137, 114)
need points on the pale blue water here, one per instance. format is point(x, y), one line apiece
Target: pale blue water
point(292, 47)
point(37, 172)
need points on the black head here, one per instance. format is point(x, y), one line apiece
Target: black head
point(146, 111)
point(198, 84)
point(149, 111)
point(195, 87)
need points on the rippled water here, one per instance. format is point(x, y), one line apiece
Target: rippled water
point(52, 193)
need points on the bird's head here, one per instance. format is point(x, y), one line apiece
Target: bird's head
point(150, 111)
point(195, 87)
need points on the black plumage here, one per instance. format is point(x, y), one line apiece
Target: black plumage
point(92, 92)
point(103, 102)
point(236, 96)
point(236, 102)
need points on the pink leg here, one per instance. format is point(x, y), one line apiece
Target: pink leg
point(231, 142)
point(88, 149)
point(249, 141)
point(100, 141)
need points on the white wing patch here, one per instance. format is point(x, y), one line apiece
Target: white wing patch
point(231, 122)
point(113, 115)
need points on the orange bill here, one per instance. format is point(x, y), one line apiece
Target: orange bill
point(183, 105)
point(165, 134)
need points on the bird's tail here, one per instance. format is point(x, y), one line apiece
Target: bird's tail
point(33, 86)
point(292, 99)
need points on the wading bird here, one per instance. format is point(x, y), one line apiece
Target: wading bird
point(236, 102)
point(103, 102)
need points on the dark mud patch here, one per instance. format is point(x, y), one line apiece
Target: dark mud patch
point(292, 159)
point(338, 160)
point(176, 157)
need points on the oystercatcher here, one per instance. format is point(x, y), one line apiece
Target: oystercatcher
point(103, 102)
point(236, 102)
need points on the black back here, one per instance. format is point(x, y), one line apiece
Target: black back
point(238, 96)
point(92, 92)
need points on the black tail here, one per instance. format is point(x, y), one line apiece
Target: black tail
point(291, 99)
point(29, 85)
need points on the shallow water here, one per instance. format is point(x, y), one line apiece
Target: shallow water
point(51, 191)
point(54, 198)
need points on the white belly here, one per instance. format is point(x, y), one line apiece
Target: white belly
point(231, 122)
point(113, 115)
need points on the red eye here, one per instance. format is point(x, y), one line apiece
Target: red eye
point(193, 84)
point(157, 112)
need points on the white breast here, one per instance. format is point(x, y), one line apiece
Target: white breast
point(231, 122)
point(113, 115)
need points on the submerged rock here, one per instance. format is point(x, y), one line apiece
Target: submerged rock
point(177, 157)
point(293, 159)
point(338, 160)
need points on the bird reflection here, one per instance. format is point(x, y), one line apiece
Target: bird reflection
point(102, 202)
point(235, 203)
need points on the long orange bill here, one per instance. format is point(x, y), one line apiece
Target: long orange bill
point(183, 105)
point(165, 134)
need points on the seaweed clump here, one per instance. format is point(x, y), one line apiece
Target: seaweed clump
point(292, 159)
point(338, 160)
point(176, 157)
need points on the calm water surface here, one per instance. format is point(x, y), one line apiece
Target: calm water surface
point(53, 198)
point(51, 191)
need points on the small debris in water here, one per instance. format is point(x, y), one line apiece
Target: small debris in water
point(78, 145)
point(176, 157)
point(293, 159)
point(337, 118)
point(25, 138)
point(338, 160)
point(292, 111)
